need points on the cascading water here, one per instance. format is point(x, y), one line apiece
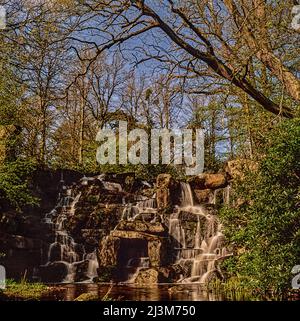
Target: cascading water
point(111, 186)
point(92, 265)
point(193, 229)
point(137, 265)
point(186, 195)
point(143, 209)
point(143, 206)
point(201, 259)
point(198, 249)
point(64, 249)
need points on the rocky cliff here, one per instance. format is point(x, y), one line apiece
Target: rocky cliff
point(118, 228)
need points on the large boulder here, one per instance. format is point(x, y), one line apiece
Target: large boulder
point(155, 252)
point(208, 181)
point(108, 252)
point(139, 226)
point(147, 277)
point(166, 191)
point(81, 271)
point(54, 272)
point(236, 169)
point(164, 181)
point(19, 242)
point(167, 275)
point(203, 195)
point(55, 253)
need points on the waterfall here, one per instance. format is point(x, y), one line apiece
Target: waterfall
point(226, 195)
point(194, 232)
point(201, 260)
point(198, 234)
point(175, 230)
point(147, 204)
point(221, 195)
point(186, 195)
point(64, 249)
point(142, 207)
point(92, 266)
point(137, 264)
point(110, 186)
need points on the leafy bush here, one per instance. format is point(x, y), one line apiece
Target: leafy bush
point(264, 223)
point(14, 183)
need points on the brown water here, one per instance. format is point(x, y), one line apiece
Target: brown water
point(160, 292)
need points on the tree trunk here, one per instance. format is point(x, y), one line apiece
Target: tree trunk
point(81, 130)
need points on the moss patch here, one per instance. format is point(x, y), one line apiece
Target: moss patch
point(87, 297)
point(29, 292)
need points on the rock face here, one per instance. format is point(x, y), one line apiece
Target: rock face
point(156, 252)
point(21, 254)
point(147, 277)
point(126, 249)
point(208, 181)
point(166, 193)
point(54, 272)
point(203, 196)
point(124, 222)
point(236, 168)
point(108, 252)
point(155, 228)
point(168, 274)
point(23, 236)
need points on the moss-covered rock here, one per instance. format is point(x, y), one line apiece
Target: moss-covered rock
point(87, 297)
point(147, 277)
point(208, 181)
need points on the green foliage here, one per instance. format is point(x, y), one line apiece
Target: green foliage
point(14, 183)
point(93, 199)
point(10, 92)
point(87, 297)
point(264, 224)
point(24, 291)
point(96, 297)
point(237, 289)
point(106, 274)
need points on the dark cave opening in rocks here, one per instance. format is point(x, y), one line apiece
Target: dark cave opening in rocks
point(132, 254)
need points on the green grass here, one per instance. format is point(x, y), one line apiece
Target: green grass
point(25, 291)
point(235, 288)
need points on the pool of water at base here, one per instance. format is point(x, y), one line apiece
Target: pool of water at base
point(159, 292)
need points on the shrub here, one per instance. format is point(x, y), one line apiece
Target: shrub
point(265, 227)
point(14, 182)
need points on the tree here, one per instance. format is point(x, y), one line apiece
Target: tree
point(213, 41)
point(264, 223)
point(36, 32)
point(11, 105)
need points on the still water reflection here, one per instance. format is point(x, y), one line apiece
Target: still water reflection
point(160, 292)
